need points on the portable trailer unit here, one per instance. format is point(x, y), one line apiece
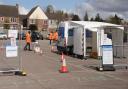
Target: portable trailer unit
point(65, 37)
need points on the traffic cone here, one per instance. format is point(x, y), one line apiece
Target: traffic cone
point(62, 57)
point(63, 68)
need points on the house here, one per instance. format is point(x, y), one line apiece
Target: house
point(23, 20)
point(55, 18)
point(9, 17)
point(37, 17)
point(52, 22)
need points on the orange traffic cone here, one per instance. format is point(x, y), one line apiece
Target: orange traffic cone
point(62, 57)
point(63, 69)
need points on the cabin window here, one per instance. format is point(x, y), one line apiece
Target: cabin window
point(70, 32)
point(61, 32)
point(88, 34)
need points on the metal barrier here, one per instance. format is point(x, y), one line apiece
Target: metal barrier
point(120, 56)
point(10, 55)
point(120, 51)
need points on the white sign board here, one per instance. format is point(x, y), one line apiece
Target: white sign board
point(13, 33)
point(11, 51)
point(107, 54)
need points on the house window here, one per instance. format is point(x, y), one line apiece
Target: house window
point(51, 21)
point(32, 21)
point(2, 18)
point(13, 19)
point(45, 22)
point(14, 26)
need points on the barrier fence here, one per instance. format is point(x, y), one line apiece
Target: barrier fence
point(10, 53)
point(120, 56)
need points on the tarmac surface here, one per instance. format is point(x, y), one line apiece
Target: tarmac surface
point(42, 72)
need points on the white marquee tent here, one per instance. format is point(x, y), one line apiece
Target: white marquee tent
point(97, 29)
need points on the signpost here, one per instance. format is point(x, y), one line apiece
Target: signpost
point(12, 33)
point(107, 58)
point(11, 51)
point(105, 51)
point(107, 54)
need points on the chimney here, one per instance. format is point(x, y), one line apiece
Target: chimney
point(17, 5)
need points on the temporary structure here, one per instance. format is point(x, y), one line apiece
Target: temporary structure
point(98, 30)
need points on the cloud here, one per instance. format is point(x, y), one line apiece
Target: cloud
point(22, 10)
point(110, 5)
point(106, 8)
point(81, 9)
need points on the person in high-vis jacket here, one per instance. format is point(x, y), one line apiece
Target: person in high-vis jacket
point(55, 35)
point(28, 41)
point(50, 37)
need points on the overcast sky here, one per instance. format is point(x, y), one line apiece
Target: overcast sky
point(106, 8)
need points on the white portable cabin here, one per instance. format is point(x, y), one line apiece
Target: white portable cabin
point(98, 29)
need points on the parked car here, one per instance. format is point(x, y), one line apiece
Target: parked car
point(3, 35)
point(38, 36)
point(21, 35)
point(47, 36)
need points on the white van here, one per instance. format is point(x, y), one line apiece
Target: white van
point(65, 37)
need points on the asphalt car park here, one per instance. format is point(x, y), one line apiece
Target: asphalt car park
point(42, 72)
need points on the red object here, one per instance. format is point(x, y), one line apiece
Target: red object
point(63, 68)
point(65, 42)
